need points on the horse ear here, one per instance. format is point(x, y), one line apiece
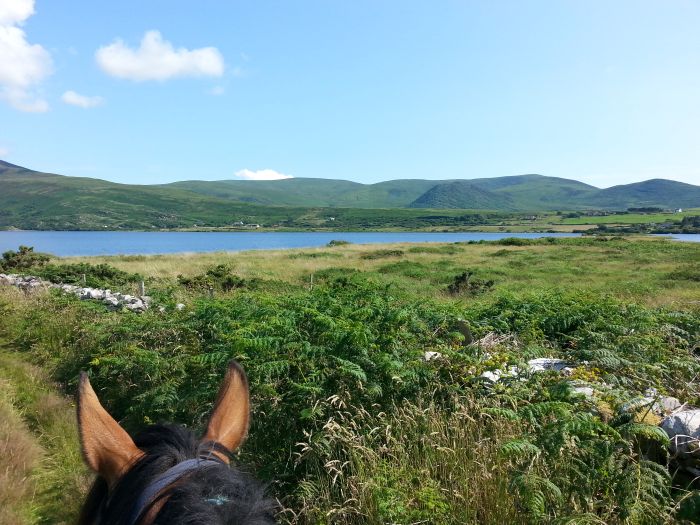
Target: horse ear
point(228, 423)
point(106, 446)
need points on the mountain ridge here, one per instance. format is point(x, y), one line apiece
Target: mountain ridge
point(37, 200)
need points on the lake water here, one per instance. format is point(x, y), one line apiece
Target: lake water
point(114, 243)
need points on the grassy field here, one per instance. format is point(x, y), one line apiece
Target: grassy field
point(633, 218)
point(365, 430)
point(654, 271)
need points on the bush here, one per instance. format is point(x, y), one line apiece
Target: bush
point(465, 284)
point(380, 254)
point(96, 275)
point(23, 259)
point(337, 242)
point(220, 277)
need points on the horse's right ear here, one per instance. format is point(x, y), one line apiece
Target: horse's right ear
point(106, 446)
point(228, 424)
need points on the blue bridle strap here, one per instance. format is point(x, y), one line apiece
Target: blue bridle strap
point(167, 478)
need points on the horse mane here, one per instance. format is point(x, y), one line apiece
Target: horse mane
point(215, 494)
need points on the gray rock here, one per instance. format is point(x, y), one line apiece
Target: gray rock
point(29, 283)
point(667, 404)
point(542, 364)
point(585, 391)
point(96, 294)
point(661, 405)
point(136, 305)
point(683, 429)
point(111, 302)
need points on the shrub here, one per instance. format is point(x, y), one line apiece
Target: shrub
point(220, 277)
point(337, 242)
point(23, 259)
point(380, 254)
point(96, 275)
point(465, 284)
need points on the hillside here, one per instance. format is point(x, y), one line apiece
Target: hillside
point(45, 201)
point(313, 192)
point(511, 193)
point(36, 200)
point(656, 192)
point(461, 194)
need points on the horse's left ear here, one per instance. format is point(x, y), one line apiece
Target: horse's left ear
point(107, 447)
point(228, 424)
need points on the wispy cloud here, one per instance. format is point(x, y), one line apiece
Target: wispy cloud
point(266, 174)
point(217, 91)
point(157, 59)
point(4, 151)
point(23, 66)
point(82, 101)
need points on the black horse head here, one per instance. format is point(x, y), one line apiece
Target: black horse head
point(166, 475)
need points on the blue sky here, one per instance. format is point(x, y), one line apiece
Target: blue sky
point(364, 90)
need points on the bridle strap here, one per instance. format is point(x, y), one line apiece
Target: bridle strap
point(167, 478)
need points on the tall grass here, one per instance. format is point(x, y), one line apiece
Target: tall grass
point(416, 464)
point(40, 462)
point(20, 456)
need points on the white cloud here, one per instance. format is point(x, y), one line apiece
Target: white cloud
point(23, 66)
point(82, 101)
point(157, 59)
point(14, 12)
point(261, 175)
point(4, 152)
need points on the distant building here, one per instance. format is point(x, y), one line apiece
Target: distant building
point(679, 210)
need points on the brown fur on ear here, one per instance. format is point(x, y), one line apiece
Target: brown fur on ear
point(106, 446)
point(228, 423)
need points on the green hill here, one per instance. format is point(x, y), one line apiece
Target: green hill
point(45, 201)
point(655, 192)
point(313, 192)
point(462, 194)
point(36, 200)
point(515, 193)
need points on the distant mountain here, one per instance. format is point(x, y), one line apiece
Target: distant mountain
point(313, 192)
point(36, 200)
point(655, 192)
point(45, 201)
point(516, 192)
point(462, 194)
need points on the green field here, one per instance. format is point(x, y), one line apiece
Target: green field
point(634, 218)
point(350, 424)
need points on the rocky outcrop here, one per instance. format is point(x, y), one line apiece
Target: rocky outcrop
point(113, 300)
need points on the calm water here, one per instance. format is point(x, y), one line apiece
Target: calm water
point(114, 243)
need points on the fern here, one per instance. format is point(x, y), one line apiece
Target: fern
point(519, 449)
